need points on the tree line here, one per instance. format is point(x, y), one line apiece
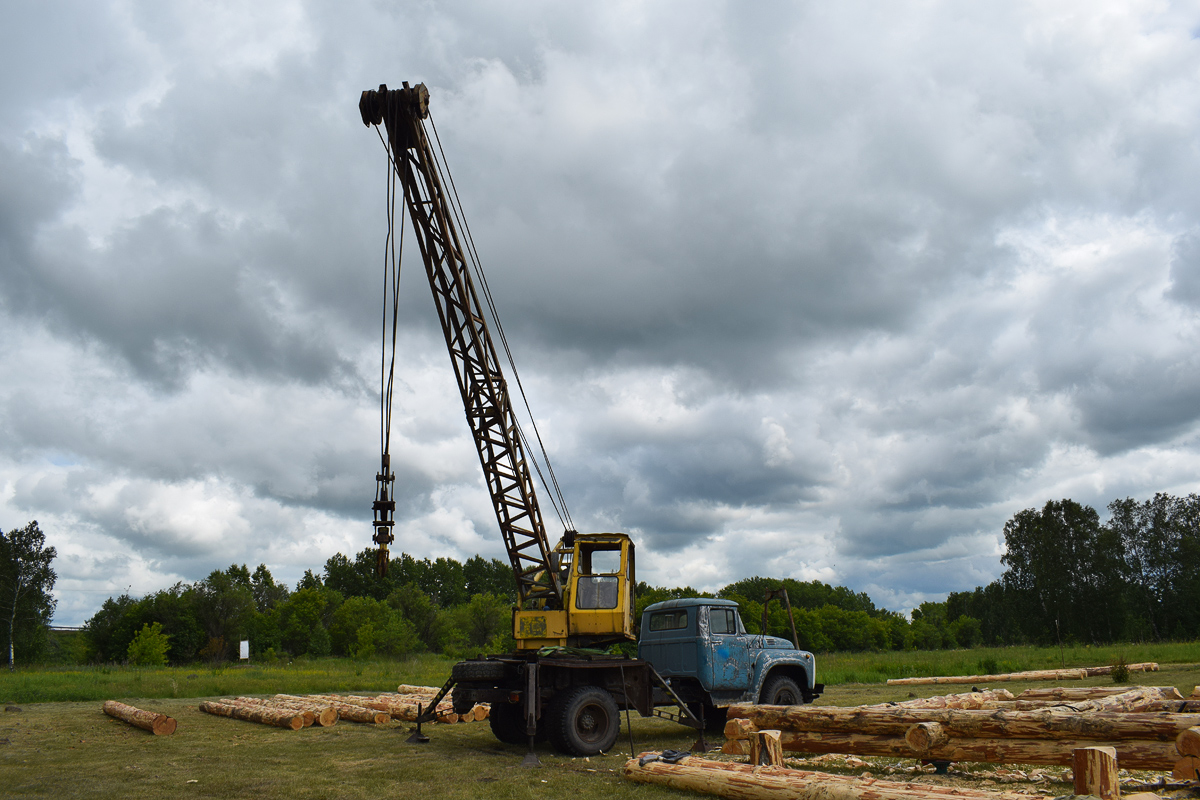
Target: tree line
point(1068, 578)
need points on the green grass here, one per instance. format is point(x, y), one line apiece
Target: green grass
point(48, 684)
point(839, 668)
point(71, 749)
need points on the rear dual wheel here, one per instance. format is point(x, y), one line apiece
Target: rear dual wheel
point(583, 721)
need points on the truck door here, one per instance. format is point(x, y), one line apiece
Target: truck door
point(728, 647)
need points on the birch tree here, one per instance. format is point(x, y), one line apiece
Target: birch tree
point(26, 580)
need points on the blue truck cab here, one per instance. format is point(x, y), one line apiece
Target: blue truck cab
point(701, 648)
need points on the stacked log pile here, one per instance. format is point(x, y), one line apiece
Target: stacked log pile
point(1073, 674)
point(326, 709)
point(1143, 739)
point(158, 724)
point(264, 715)
point(749, 782)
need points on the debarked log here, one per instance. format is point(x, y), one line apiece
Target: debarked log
point(980, 699)
point(1051, 723)
point(260, 714)
point(346, 711)
point(315, 712)
point(1131, 753)
point(748, 782)
point(1072, 674)
point(158, 724)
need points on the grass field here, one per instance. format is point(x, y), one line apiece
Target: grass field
point(68, 749)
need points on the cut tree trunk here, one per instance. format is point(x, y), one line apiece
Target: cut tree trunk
point(259, 714)
point(1072, 693)
point(1073, 674)
point(1094, 770)
point(1186, 769)
point(925, 736)
point(964, 700)
point(158, 724)
point(765, 749)
point(1132, 753)
point(1188, 742)
point(748, 782)
point(346, 711)
point(322, 714)
point(1051, 723)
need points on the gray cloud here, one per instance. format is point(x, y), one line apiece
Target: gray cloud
point(819, 291)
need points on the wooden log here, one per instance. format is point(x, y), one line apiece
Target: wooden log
point(481, 711)
point(347, 711)
point(1051, 723)
point(158, 724)
point(925, 736)
point(766, 750)
point(428, 691)
point(1186, 769)
point(1187, 743)
point(749, 782)
point(1073, 674)
point(1132, 753)
point(400, 710)
point(1141, 698)
point(1095, 772)
point(737, 747)
point(315, 712)
point(259, 714)
point(1063, 693)
point(306, 714)
point(963, 700)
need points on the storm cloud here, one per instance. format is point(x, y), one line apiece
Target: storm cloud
point(809, 290)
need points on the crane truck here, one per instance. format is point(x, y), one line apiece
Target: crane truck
point(575, 599)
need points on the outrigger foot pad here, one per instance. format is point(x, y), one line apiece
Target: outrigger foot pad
point(531, 759)
point(417, 737)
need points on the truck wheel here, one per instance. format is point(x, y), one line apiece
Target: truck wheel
point(583, 721)
point(508, 722)
point(781, 690)
point(478, 671)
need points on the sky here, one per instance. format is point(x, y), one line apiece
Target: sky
point(816, 290)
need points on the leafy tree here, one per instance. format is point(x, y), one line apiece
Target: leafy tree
point(267, 593)
point(225, 603)
point(105, 630)
point(26, 580)
point(1052, 558)
point(304, 618)
point(149, 647)
point(492, 577)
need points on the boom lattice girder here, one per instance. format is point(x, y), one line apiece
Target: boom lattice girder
point(480, 380)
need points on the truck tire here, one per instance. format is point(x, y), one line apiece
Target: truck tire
point(583, 721)
point(780, 690)
point(478, 671)
point(508, 722)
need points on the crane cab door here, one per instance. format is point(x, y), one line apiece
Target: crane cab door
point(600, 593)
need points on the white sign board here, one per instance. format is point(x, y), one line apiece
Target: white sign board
point(245, 650)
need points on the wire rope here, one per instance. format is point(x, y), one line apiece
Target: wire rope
point(553, 488)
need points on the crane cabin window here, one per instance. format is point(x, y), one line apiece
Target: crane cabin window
point(669, 620)
point(599, 577)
